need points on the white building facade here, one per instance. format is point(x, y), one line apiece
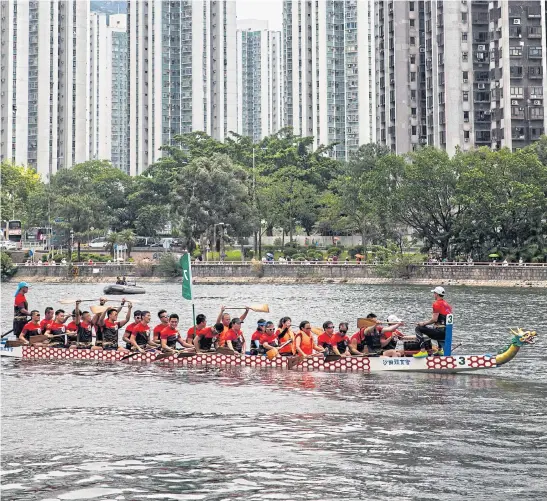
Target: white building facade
point(329, 72)
point(182, 64)
point(108, 107)
point(43, 83)
point(259, 87)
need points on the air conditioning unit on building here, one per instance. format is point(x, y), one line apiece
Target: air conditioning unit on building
point(537, 102)
point(481, 47)
point(516, 21)
point(422, 49)
point(481, 86)
point(514, 102)
point(465, 80)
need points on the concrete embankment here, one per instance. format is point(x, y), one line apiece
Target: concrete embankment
point(241, 273)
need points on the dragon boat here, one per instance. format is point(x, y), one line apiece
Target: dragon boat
point(434, 364)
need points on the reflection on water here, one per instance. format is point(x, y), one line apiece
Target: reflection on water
point(88, 430)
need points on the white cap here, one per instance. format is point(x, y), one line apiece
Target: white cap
point(439, 291)
point(393, 319)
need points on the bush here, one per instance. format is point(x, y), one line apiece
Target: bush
point(277, 243)
point(169, 265)
point(358, 249)
point(290, 251)
point(7, 268)
point(334, 251)
point(292, 245)
point(258, 269)
point(248, 252)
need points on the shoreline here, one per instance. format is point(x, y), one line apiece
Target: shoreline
point(289, 281)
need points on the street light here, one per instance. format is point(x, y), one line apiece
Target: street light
point(215, 236)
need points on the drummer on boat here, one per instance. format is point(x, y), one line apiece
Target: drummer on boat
point(20, 308)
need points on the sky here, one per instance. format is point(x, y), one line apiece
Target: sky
point(267, 10)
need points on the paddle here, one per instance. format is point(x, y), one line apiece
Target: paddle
point(97, 310)
point(177, 354)
point(134, 353)
point(12, 343)
point(72, 301)
point(317, 331)
point(271, 354)
point(365, 322)
point(9, 332)
point(42, 337)
point(261, 308)
point(223, 350)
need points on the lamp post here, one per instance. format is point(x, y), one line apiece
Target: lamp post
point(215, 237)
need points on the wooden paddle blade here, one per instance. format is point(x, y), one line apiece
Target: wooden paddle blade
point(97, 310)
point(13, 343)
point(292, 362)
point(261, 308)
point(271, 354)
point(317, 331)
point(225, 351)
point(163, 356)
point(186, 354)
point(332, 358)
point(363, 323)
point(38, 339)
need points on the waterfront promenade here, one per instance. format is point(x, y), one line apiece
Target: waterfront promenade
point(529, 275)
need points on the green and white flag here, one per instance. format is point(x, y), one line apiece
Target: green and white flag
point(186, 266)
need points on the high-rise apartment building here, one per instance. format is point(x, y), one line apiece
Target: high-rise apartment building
point(328, 58)
point(108, 110)
point(459, 74)
point(259, 87)
point(43, 83)
point(182, 63)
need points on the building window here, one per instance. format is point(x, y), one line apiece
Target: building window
point(466, 134)
point(465, 57)
point(466, 116)
point(534, 52)
point(517, 92)
point(464, 36)
point(515, 51)
point(412, 23)
point(465, 96)
point(464, 17)
point(412, 76)
point(412, 41)
point(465, 76)
point(536, 113)
point(413, 59)
point(411, 6)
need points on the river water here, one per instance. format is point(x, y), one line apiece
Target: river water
point(84, 430)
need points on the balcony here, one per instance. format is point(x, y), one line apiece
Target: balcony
point(534, 31)
point(536, 133)
point(518, 112)
point(518, 133)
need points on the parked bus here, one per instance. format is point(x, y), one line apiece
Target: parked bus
point(13, 231)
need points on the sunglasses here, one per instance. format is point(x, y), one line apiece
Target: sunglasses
point(270, 330)
point(343, 332)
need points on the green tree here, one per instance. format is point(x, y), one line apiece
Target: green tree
point(425, 198)
point(19, 185)
point(210, 191)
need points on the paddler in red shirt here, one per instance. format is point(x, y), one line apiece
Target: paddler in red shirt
point(225, 319)
point(32, 328)
point(201, 323)
point(340, 341)
point(56, 331)
point(140, 336)
point(170, 336)
point(268, 339)
point(20, 308)
point(137, 317)
point(164, 319)
point(324, 340)
point(440, 310)
point(84, 329)
point(234, 336)
point(48, 318)
point(255, 338)
point(206, 339)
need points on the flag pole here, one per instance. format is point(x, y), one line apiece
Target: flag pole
point(186, 265)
